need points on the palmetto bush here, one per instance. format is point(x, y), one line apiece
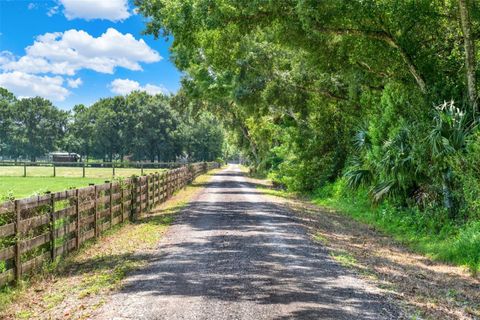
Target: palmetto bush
point(388, 169)
point(413, 160)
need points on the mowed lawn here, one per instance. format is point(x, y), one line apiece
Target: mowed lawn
point(40, 179)
point(71, 172)
point(20, 187)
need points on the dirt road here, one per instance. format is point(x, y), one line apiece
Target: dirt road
point(234, 254)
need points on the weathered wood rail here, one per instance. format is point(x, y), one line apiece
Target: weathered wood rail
point(40, 229)
point(89, 165)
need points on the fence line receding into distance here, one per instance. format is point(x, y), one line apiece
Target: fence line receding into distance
point(25, 167)
point(39, 229)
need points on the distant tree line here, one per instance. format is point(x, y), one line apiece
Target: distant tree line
point(138, 126)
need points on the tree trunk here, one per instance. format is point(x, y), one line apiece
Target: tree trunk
point(448, 199)
point(246, 135)
point(469, 45)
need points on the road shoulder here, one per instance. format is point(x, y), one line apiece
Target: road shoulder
point(425, 288)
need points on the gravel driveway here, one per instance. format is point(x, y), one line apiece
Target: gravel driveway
point(234, 254)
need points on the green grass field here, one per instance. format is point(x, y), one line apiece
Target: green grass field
point(40, 179)
point(71, 172)
point(20, 187)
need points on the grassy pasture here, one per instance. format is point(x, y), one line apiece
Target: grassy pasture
point(40, 179)
point(72, 172)
point(20, 187)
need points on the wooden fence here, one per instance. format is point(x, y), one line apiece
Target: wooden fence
point(40, 229)
point(83, 166)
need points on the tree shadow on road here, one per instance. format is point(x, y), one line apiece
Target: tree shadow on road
point(255, 253)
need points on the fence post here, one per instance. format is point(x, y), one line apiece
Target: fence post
point(18, 257)
point(132, 198)
point(141, 168)
point(77, 212)
point(95, 211)
point(154, 189)
point(54, 170)
point(122, 208)
point(83, 170)
point(167, 184)
point(133, 201)
point(147, 196)
point(52, 226)
point(113, 168)
point(139, 193)
point(110, 205)
point(159, 186)
point(175, 181)
point(24, 169)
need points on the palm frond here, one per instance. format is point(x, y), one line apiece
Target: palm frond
point(358, 177)
point(361, 140)
point(382, 190)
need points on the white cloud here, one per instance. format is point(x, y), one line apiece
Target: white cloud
point(31, 6)
point(114, 10)
point(74, 83)
point(28, 85)
point(6, 57)
point(52, 11)
point(125, 86)
point(154, 89)
point(67, 52)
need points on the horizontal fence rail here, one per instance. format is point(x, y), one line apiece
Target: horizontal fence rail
point(39, 229)
point(83, 166)
point(146, 165)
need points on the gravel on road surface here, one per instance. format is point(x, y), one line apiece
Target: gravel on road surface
point(234, 254)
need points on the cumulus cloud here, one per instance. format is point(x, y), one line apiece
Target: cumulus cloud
point(31, 6)
point(125, 86)
point(28, 85)
point(67, 52)
point(6, 57)
point(74, 83)
point(113, 10)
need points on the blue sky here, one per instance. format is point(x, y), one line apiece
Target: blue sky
point(77, 51)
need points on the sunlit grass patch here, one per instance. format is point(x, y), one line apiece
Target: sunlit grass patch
point(276, 192)
point(51, 300)
point(318, 237)
point(72, 172)
point(23, 314)
point(344, 258)
point(19, 187)
point(108, 279)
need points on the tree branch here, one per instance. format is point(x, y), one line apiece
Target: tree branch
point(388, 39)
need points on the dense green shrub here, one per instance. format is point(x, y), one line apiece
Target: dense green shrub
point(429, 231)
point(466, 247)
point(466, 169)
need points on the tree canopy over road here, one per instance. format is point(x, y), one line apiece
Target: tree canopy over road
point(378, 95)
point(312, 84)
